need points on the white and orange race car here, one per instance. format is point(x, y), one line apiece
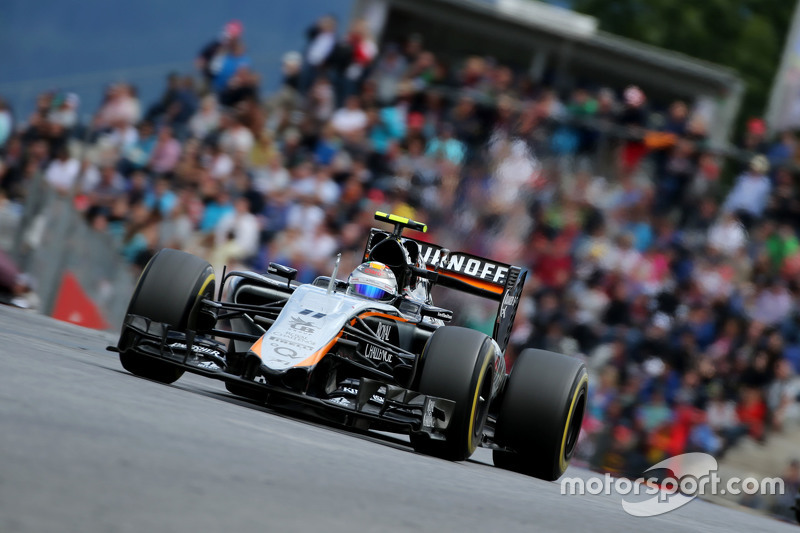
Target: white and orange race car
point(392, 365)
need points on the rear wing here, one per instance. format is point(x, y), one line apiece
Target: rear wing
point(468, 273)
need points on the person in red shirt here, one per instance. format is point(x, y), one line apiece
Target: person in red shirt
point(752, 411)
point(555, 265)
point(356, 56)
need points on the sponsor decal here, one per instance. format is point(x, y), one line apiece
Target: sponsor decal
point(444, 315)
point(199, 349)
point(285, 351)
point(507, 300)
point(499, 366)
point(282, 353)
point(377, 399)
point(287, 340)
point(377, 353)
point(312, 313)
point(379, 396)
point(302, 325)
point(467, 265)
point(340, 401)
point(427, 417)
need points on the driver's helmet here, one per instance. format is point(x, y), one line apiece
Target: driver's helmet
point(373, 280)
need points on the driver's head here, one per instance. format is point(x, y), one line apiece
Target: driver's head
point(373, 280)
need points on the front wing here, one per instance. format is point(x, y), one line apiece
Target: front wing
point(373, 405)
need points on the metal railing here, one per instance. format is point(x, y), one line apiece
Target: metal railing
point(53, 238)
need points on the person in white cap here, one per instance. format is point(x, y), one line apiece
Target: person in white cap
point(749, 196)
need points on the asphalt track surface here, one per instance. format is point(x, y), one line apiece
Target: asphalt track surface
point(87, 447)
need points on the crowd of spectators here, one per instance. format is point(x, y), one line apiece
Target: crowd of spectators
point(678, 288)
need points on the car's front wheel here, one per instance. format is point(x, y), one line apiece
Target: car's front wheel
point(169, 291)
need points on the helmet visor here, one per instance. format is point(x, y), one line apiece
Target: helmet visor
point(370, 291)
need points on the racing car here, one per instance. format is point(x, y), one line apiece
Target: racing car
point(368, 352)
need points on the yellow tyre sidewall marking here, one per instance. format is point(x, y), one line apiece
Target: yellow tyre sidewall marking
point(472, 443)
point(209, 279)
point(562, 460)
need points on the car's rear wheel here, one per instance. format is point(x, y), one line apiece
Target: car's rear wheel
point(169, 291)
point(541, 415)
point(456, 364)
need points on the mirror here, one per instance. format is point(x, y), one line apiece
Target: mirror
point(283, 271)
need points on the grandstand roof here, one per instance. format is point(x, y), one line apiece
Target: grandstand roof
point(569, 42)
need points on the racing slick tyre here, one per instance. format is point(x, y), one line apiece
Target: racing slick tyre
point(457, 365)
point(169, 291)
point(541, 415)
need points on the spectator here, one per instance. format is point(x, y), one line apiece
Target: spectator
point(783, 396)
point(110, 186)
point(121, 108)
point(356, 64)
point(387, 126)
point(467, 125)
point(166, 152)
point(273, 178)
point(219, 163)
point(232, 62)
point(305, 216)
point(723, 419)
point(234, 137)
point(782, 152)
point(749, 196)
point(218, 206)
point(62, 172)
point(167, 100)
point(209, 60)
point(633, 117)
point(138, 154)
point(389, 72)
point(65, 112)
point(121, 136)
point(161, 200)
point(206, 119)
point(755, 136)
point(350, 119)
point(783, 504)
point(772, 304)
point(446, 147)
point(727, 235)
point(320, 49)
point(236, 234)
point(752, 411)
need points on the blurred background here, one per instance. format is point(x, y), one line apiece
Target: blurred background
point(639, 157)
